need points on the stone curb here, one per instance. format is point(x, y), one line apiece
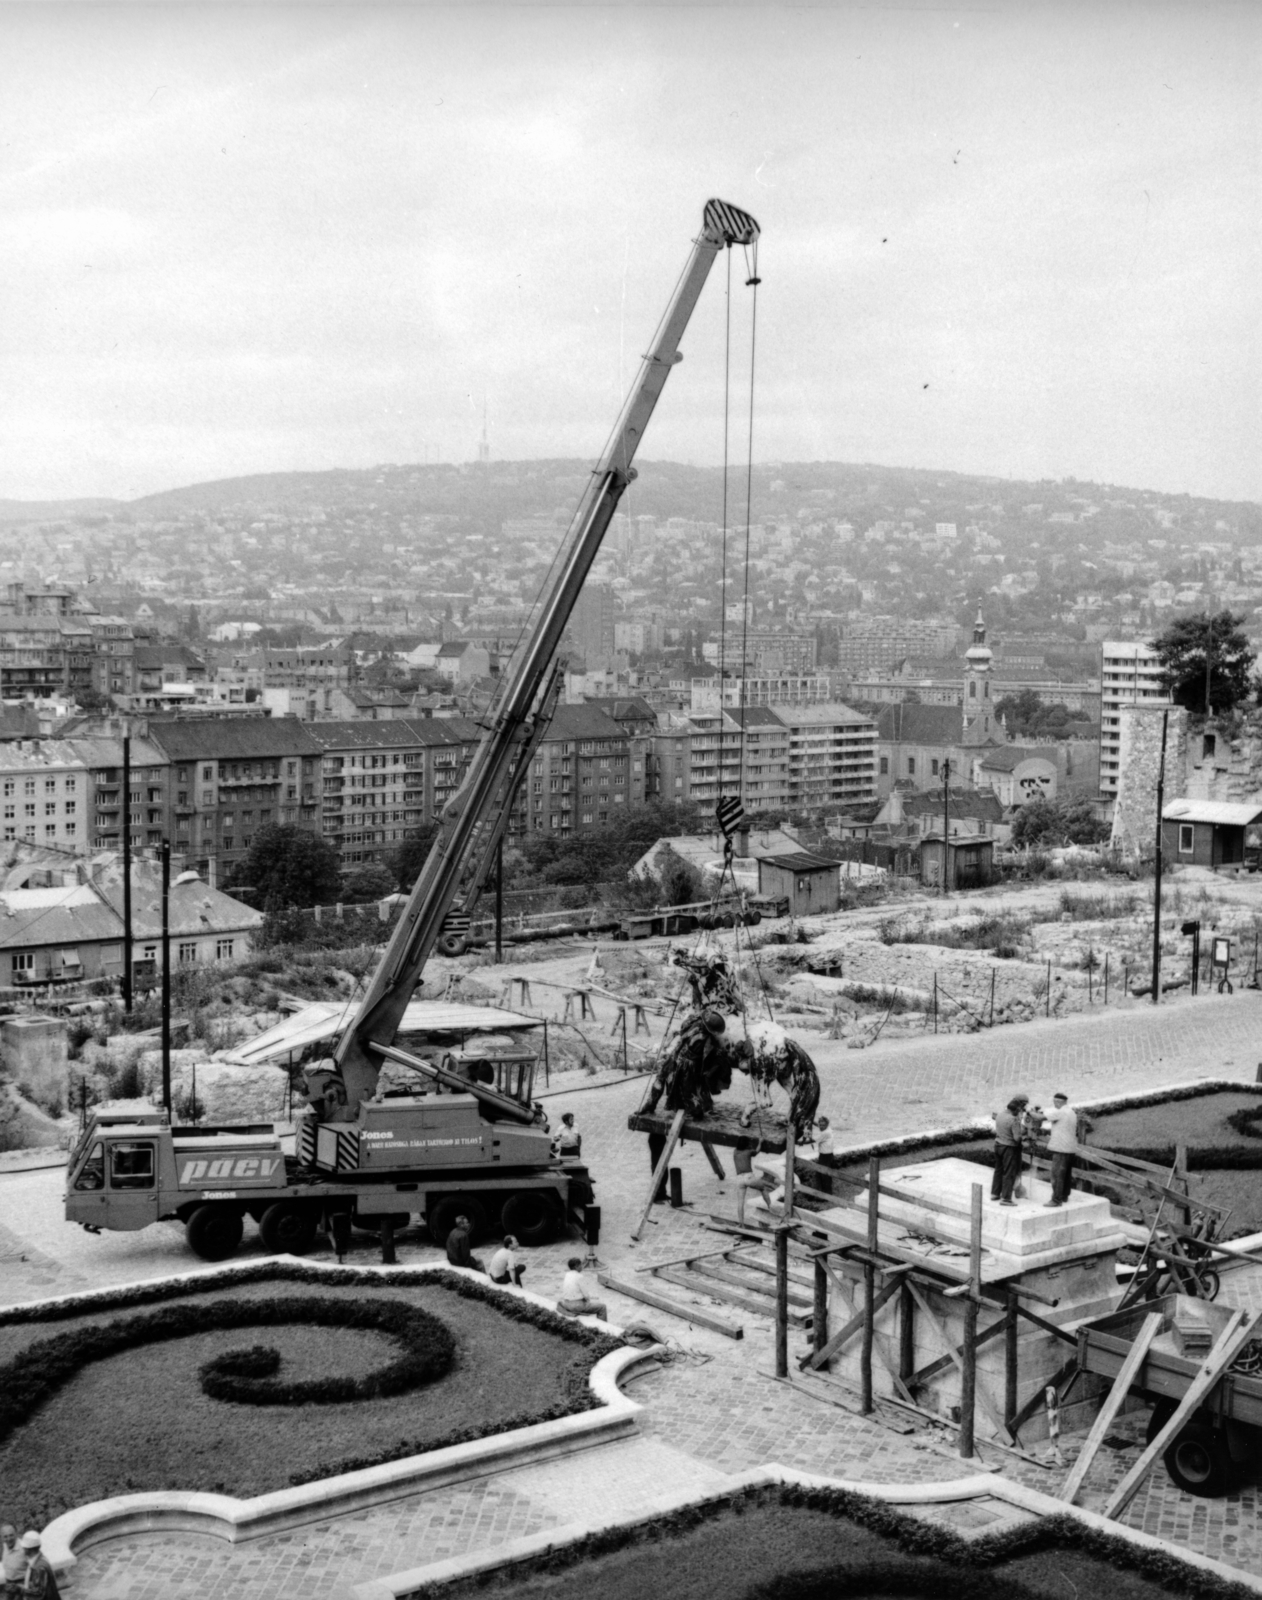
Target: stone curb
point(399, 1585)
point(235, 1521)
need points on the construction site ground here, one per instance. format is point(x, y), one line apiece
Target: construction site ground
point(713, 1409)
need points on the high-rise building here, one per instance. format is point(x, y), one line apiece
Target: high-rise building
point(592, 624)
point(1130, 675)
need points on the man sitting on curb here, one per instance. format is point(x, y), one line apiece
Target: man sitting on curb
point(459, 1253)
point(504, 1266)
point(574, 1298)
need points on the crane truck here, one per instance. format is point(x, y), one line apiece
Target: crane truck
point(472, 1140)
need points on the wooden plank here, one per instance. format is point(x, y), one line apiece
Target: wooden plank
point(760, 1305)
point(1152, 1326)
point(715, 1164)
point(672, 1139)
point(680, 1261)
point(797, 1279)
point(923, 1374)
point(1228, 1346)
point(819, 1387)
point(723, 1274)
point(704, 1319)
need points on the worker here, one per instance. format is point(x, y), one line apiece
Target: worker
point(38, 1582)
point(748, 1176)
point(574, 1297)
point(825, 1143)
point(459, 1253)
point(505, 1267)
point(568, 1141)
point(1060, 1123)
point(12, 1561)
point(1009, 1132)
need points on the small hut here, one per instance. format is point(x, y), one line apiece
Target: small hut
point(811, 884)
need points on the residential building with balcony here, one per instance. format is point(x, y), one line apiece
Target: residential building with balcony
point(585, 773)
point(832, 756)
point(230, 777)
point(1130, 675)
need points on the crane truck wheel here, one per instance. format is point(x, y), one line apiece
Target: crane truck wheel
point(441, 1213)
point(530, 1216)
point(214, 1232)
point(452, 944)
point(287, 1229)
point(1199, 1461)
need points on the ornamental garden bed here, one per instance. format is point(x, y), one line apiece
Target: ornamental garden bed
point(1220, 1127)
point(268, 1376)
point(789, 1543)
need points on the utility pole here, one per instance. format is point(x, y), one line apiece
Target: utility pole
point(1209, 653)
point(946, 818)
point(126, 816)
point(499, 901)
point(1156, 893)
point(166, 976)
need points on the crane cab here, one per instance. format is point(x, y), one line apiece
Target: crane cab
point(511, 1074)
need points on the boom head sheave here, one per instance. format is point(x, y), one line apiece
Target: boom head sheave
point(728, 224)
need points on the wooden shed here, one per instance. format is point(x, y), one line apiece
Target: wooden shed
point(1206, 833)
point(970, 861)
point(811, 884)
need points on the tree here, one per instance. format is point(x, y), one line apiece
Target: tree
point(409, 858)
point(1026, 715)
point(1058, 822)
point(287, 866)
point(1183, 648)
point(367, 882)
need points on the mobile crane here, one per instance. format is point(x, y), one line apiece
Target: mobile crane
point(472, 1140)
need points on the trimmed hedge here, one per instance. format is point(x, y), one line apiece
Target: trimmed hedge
point(956, 1562)
point(37, 1380)
point(31, 1377)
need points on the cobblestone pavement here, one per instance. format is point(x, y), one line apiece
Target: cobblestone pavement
point(713, 1409)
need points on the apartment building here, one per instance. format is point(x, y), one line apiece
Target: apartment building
point(871, 643)
point(101, 757)
point(1130, 675)
point(585, 773)
point(832, 756)
point(381, 781)
point(229, 778)
point(44, 791)
point(765, 745)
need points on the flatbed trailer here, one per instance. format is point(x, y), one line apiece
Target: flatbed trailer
point(1225, 1432)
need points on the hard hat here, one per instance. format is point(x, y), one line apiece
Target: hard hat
point(30, 1540)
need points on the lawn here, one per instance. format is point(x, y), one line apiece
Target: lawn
point(830, 1545)
point(140, 1419)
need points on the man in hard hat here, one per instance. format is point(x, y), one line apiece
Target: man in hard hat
point(38, 1582)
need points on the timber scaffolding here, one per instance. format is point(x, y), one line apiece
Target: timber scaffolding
point(787, 1270)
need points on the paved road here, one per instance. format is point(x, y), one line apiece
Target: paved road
point(713, 1410)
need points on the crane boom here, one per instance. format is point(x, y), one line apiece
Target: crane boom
point(495, 768)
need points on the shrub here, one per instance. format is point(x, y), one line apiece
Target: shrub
point(1083, 906)
point(127, 1083)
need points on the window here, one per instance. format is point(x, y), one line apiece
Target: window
point(1209, 745)
point(223, 949)
point(208, 774)
point(50, 786)
point(70, 808)
point(24, 961)
point(933, 767)
point(911, 766)
point(91, 1174)
point(8, 787)
point(70, 785)
point(28, 786)
point(131, 1166)
point(28, 810)
point(1186, 834)
point(187, 953)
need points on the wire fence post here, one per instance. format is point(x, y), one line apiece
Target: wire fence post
point(935, 1002)
point(1106, 977)
point(1049, 988)
point(992, 997)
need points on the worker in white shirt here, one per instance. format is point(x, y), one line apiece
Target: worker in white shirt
point(504, 1266)
point(1060, 1123)
point(574, 1296)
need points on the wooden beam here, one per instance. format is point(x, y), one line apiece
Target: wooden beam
point(638, 1291)
point(721, 1274)
point(869, 1281)
point(1062, 1380)
point(968, 1366)
point(1135, 1358)
point(819, 1311)
point(713, 1159)
point(761, 1305)
point(944, 1339)
point(681, 1261)
point(672, 1139)
point(827, 1351)
point(931, 1369)
point(1226, 1348)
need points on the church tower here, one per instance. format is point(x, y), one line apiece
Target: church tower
point(979, 715)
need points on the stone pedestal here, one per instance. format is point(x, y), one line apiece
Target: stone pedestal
point(33, 1049)
point(1064, 1254)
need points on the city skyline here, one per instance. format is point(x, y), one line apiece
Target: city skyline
point(1020, 243)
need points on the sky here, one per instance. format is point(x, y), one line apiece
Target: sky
point(1014, 238)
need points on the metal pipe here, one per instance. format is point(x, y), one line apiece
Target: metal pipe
point(128, 986)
